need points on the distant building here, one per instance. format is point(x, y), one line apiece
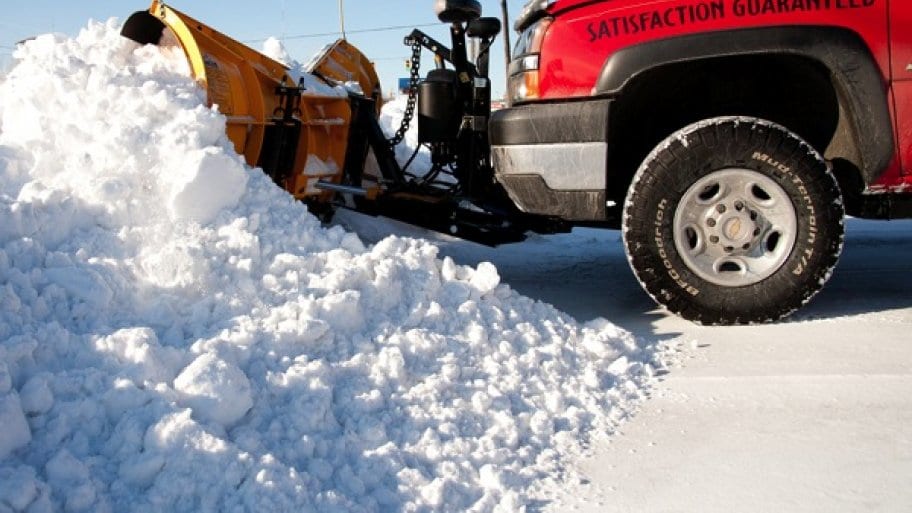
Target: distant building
point(404, 85)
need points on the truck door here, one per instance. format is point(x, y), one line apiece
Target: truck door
point(901, 51)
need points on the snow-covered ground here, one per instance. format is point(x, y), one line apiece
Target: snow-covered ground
point(177, 334)
point(810, 415)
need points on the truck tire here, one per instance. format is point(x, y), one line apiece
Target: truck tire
point(733, 220)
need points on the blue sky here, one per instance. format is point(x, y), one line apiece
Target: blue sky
point(256, 20)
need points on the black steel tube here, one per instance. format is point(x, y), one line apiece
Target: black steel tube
point(507, 50)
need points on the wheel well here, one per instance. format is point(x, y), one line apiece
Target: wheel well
point(796, 92)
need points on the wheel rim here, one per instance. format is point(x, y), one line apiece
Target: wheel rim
point(735, 227)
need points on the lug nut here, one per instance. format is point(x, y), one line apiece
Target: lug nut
point(721, 209)
point(711, 223)
point(739, 206)
point(714, 239)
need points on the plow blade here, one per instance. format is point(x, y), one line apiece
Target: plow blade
point(343, 63)
point(297, 135)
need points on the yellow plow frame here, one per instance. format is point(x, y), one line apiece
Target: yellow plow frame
point(298, 136)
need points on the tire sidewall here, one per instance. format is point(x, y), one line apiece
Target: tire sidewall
point(707, 147)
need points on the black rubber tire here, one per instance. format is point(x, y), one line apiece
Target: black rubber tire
point(726, 143)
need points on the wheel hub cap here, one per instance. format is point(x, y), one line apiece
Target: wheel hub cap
point(735, 227)
point(734, 230)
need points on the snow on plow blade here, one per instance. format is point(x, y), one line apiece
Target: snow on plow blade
point(298, 135)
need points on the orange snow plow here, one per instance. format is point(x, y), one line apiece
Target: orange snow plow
point(297, 135)
point(316, 132)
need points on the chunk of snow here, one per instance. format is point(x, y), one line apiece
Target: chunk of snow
point(15, 433)
point(216, 390)
point(206, 182)
point(18, 487)
point(485, 279)
point(36, 396)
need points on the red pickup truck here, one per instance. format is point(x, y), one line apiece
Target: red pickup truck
point(728, 139)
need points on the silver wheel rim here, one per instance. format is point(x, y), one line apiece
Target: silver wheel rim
point(735, 227)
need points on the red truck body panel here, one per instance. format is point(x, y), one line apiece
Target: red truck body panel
point(901, 51)
point(585, 33)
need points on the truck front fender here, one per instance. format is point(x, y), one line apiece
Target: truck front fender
point(856, 77)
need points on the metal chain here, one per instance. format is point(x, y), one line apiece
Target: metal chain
point(412, 95)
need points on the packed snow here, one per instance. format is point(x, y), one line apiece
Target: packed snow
point(177, 334)
point(810, 415)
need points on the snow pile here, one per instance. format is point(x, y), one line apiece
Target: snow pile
point(179, 335)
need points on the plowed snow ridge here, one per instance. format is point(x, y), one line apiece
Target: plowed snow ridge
point(177, 334)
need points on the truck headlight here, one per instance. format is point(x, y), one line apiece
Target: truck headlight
point(523, 83)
